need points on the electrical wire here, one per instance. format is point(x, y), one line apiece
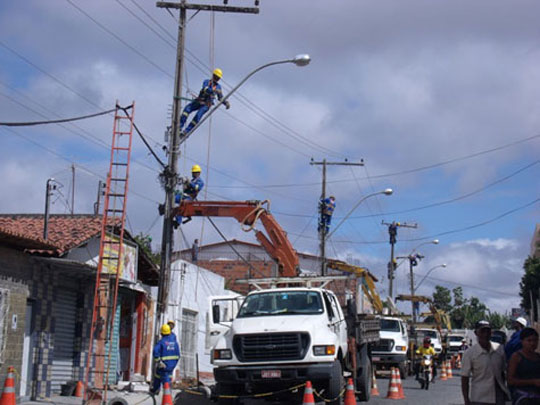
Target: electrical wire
point(469, 286)
point(31, 123)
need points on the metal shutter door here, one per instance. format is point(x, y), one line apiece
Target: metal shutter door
point(64, 309)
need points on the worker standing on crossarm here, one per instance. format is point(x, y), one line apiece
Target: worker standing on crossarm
point(326, 210)
point(166, 355)
point(190, 190)
point(210, 90)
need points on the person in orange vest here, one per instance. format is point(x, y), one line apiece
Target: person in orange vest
point(210, 90)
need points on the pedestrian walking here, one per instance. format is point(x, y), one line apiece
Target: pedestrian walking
point(326, 210)
point(514, 344)
point(210, 90)
point(482, 370)
point(166, 355)
point(524, 370)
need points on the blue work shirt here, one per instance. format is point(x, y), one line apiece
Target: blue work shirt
point(210, 90)
point(167, 351)
point(193, 187)
point(328, 206)
point(513, 345)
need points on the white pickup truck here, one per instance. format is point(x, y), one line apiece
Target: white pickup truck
point(282, 337)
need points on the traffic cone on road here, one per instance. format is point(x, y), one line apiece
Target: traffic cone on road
point(400, 386)
point(79, 389)
point(449, 370)
point(374, 388)
point(443, 372)
point(8, 395)
point(167, 396)
point(393, 387)
point(308, 395)
point(350, 398)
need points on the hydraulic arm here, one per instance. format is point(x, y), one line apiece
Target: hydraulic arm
point(275, 241)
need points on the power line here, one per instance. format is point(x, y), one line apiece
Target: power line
point(470, 286)
point(32, 123)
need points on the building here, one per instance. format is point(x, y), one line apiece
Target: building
point(46, 296)
point(535, 242)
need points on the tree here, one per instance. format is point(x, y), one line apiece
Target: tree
point(530, 285)
point(442, 298)
point(497, 321)
point(145, 243)
point(458, 296)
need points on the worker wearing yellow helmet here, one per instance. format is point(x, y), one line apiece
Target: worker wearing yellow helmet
point(210, 90)
point(166, 355)
point(190, 190)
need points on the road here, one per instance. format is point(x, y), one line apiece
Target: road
point(442, 393)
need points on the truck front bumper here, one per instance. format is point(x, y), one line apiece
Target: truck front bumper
point(287, 373)
point(380, 358)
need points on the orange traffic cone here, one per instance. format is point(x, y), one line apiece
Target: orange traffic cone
point(443, 373)
point(350, 398)
point(167, 396)
point(400, 386)
point(308, 395)
point(79, 389)
point(449, 370)
point(374, 388)
point(8, 395)
point(393, 387)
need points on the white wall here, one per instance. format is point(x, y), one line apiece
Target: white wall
point(190, 288)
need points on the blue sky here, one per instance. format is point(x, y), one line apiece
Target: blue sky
point(400, 85)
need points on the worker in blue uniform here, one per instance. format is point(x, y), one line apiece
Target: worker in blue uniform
point(190, 190)
point(326, 210)
point(210, 90)
point(166, 355)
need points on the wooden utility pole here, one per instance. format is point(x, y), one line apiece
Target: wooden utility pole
point(322, 229)
point(72, 189)
point(392, 231)
point(169, 176)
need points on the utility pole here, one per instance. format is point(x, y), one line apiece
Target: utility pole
point(322, 229)
point(413, 261)
point(72, 189)
point(49, 188)
point(100, 192)
point(169, 176)
point(392, 231)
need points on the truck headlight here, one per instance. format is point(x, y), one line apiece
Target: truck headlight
point(401, 348)
point(222, 354)
point(326, 350)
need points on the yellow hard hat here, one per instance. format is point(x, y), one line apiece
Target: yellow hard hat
point(165, 329)
point(218, 73)
point(196, 169)
point(171, 324)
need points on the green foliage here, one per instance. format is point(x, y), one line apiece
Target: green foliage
point(498, 321)
point(145, 243)
point(442, 298)
point(530, 283)
point(459, 300)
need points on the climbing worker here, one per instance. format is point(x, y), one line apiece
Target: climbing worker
point(166, 355)
point(190, 190)
point(326, 209)
point(203, 102)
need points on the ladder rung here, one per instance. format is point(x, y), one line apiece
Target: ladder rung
point(120, 148)
point(116, 195)
point(111, 242)
point(118, 164)
point(110, 258)
point(122, 132)
point(114, 210)
point(123, 117)
point(118, 179)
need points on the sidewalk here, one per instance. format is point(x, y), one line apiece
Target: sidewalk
point(113, 398)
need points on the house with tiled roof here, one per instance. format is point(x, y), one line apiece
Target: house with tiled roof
point(46, 293)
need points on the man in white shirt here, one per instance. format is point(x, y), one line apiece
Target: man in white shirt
point(482, 370)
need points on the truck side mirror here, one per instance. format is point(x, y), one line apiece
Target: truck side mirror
point(215, 313)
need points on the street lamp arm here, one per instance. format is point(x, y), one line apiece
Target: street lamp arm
point(388, 191)
point(427, 274)
point(297, 60)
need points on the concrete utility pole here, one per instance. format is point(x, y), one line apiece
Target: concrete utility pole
point(169, 176)
point(72, 189)
point(322, 231)
point(49, 188)
point(392, 231)
point(413, 261)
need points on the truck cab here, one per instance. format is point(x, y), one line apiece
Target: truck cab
point(282, 337)
point(391, 351)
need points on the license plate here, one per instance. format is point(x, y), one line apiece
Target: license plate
point(271, 373)
point(376, 358)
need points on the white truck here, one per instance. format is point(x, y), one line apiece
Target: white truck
point(391, 351)
point(282, 337)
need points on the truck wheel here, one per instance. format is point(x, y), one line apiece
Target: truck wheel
point(227, 389)
point(403, 370)
point(336, 384)
point(363, 382)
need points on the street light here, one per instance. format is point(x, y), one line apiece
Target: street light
point(427, 274)
point(299, 60)
point(387, 191)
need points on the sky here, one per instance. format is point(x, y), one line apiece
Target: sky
point(438, 99)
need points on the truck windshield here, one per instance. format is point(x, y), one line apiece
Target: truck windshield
point(281, 303)
point(455, 338)
point(431, 333)
point(390, 325)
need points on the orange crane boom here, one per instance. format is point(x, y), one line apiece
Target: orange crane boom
point(275, 241)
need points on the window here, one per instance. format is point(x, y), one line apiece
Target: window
point(281, 303)
point(390, 325)
point(4, 310)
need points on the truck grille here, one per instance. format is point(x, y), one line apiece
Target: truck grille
point(271, 346)
point(384, 345)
